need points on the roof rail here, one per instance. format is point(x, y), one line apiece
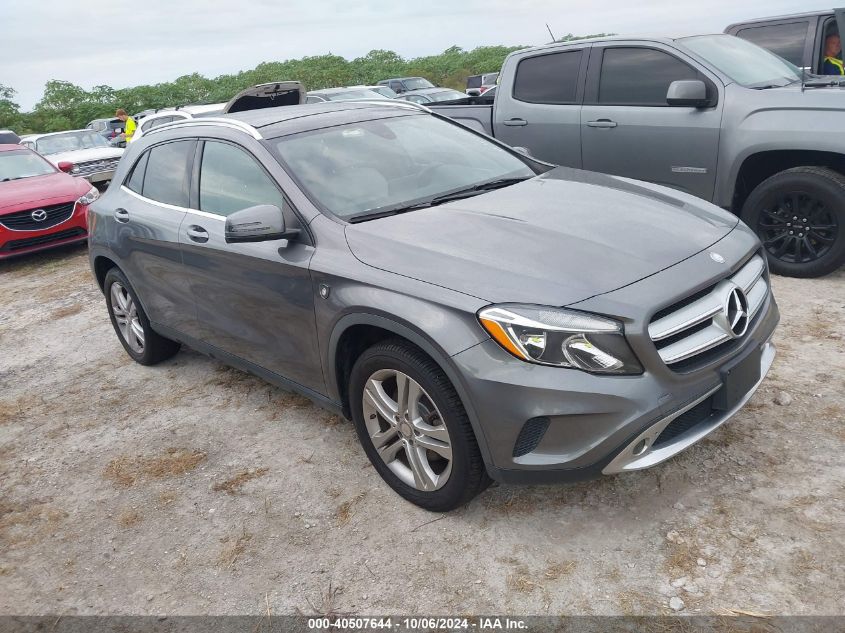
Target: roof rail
point(234, 124)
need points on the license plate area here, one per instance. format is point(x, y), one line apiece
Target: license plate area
point(738, 378)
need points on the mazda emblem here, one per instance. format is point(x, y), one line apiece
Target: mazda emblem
point(39, 215)
point(736, 311)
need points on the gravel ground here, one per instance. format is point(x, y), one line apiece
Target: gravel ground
point(190, 488)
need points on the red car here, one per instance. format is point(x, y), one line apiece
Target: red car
point(40, 206)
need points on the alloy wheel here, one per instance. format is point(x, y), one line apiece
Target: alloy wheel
point(126, 316)
point(797, 228)
point(407, 430)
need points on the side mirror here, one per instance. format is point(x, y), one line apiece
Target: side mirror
point(688, 93)
point(65, 166)
point(260, 223)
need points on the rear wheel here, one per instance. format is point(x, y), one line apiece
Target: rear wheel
point(131, 324)
point(414, 428)
point(799, 215)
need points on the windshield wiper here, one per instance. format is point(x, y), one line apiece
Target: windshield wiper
point(475, 190)
point(823, 83)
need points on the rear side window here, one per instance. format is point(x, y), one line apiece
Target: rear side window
point(786, 40)
point(549, 78)
point(231, 180)
point(166, 174)
point(136, 179)
point(639, 76)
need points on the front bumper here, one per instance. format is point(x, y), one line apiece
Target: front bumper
point(99, 177)
point(588, 425)
point(72, 230)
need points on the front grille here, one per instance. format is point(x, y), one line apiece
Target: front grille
point(89, 167)
point(23, 220)
point(16, 245)
point(684, 422)
point(695, 330)
point(530, 435)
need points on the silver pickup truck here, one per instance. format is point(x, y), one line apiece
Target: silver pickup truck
point(714, 116)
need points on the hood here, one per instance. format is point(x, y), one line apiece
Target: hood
point(17, 195)
point(556, 239)
point(271, 95)
point(84, 155)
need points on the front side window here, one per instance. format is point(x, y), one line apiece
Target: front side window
point(379, 165)
point(70, 142)
point(639, 76)
point(786, 40)
point(22, 163)
point(232, 180)
point(551, 78)
point(166, 176)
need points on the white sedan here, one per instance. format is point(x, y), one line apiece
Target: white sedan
point(92, 156)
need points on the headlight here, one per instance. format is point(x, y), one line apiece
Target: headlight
point(563, 338)
point(89, 197)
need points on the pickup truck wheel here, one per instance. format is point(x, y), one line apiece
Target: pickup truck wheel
point(799, 215)
point(414, 428)
point(131, 324)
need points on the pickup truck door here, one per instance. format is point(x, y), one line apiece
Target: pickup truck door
point(840, 23)
point(628, 129)
point(538, 103)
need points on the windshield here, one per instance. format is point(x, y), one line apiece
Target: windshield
point(69, 142)
point(747, 64)
point(376, 165)
point(384, 91)
point(446, 95)
point(350, 95)
point(23, 163)
point(415, 83)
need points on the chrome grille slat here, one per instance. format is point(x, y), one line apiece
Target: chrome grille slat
point(95, 166)
point(700, 325)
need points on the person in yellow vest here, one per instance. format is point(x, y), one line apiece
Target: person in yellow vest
point(833, 56)
point(128, 124)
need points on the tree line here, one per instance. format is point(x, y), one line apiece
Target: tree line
point(66, 106)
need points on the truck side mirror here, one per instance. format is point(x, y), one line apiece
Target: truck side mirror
point(688, 93)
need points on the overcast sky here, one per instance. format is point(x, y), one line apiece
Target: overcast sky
point(92, 42)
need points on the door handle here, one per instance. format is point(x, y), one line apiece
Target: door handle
point(197, 234)
point(607, 123)
point(515, 122)
point(121, 215)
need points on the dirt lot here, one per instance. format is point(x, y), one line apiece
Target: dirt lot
point(191, 488)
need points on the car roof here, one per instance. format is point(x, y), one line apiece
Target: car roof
point(772, 18)
point(423, 91)
point(32, 137)
point(324, 91)
point(274, 122)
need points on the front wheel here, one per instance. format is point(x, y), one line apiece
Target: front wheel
point(799, 215)
point(414, 428)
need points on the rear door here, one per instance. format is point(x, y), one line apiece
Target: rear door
point(628, 129)
point(149, 210)
point(253, 300)
point(538, 104)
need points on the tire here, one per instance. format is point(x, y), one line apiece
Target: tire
point(810, 202)
point(154, 348)
point(437, 407)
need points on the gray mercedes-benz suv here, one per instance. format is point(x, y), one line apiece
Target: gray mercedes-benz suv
point(476, 313)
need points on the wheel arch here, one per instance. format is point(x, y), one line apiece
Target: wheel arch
point(356, 332)
point(758, 166)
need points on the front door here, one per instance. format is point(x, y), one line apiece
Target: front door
point(628, 129)
point(253, 300)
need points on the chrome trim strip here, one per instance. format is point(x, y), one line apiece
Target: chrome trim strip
point(707, 338)
point(173, 207)
point(626, 460)
point(234, 124)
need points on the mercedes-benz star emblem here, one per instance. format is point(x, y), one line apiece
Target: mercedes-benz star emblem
point(39, 215)
point(736, 311)
point(717, 258)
